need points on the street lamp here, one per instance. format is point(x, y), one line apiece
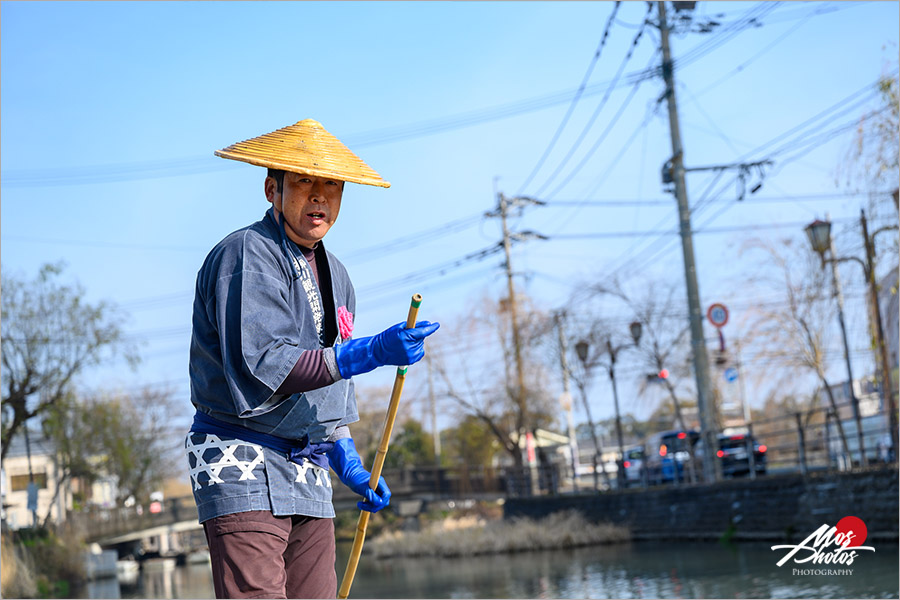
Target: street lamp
point(819, 234)
point(636, 329)
point(582, 348)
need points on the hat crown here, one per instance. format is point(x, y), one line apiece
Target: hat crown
point(304, 147)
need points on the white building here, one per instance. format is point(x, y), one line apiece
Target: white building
point(43, 470)
point(873, 418)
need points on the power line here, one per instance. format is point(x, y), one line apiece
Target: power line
point(663, 247)
point(726, 33)
point(575, 100)
point(748, 200)
point(117, 172)
point(709, 120)
point(101, 244)
point(597, 111)
point(593, 149)
point(618, 154)
point(747, 62)
point(870, 88)
point(156, 169)
point(434, 271)
point(707, 230)
point(809, 145)
point(826, 8)
point(410, 241)
point(444, 281)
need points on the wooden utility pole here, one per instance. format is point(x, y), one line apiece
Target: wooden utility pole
point(513, 314)
point(698, 343)
point(523, 421)
point(435, 434)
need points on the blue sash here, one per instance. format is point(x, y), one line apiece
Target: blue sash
point(295, 450)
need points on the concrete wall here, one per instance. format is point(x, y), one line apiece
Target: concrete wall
point(772, 507)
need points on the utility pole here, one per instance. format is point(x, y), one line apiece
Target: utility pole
point(502, 211)
point(435, 434)
point(513, 312)
point(698, 344)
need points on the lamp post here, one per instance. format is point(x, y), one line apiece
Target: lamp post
point(819, 233)
point(582, 348)
point(636, 329)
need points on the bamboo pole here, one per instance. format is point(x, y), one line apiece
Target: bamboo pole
point(380, 454)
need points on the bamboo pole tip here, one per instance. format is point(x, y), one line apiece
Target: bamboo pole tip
point(416, 300)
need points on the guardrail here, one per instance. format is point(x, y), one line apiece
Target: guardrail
point(810, 439)
point(419, 482)
point(800, 441)
point(98, 522)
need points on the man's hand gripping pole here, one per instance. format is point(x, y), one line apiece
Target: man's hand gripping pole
point(363, 522)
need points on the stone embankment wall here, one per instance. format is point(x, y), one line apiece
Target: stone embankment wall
point(780, 507)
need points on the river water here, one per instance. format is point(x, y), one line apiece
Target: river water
point(636, 570)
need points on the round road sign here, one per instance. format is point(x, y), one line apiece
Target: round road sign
point(717, 315)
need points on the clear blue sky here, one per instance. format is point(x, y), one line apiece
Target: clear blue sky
point(111, 112)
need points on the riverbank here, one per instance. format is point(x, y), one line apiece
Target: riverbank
point(777, 507)
point(40, 564)
point(473, 535)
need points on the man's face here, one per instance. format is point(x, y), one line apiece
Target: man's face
point(308, 204)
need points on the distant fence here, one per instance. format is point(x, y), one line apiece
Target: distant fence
point(97, 522)
point(796, 442)
point(811, 439)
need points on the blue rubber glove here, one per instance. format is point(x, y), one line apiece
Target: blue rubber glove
point(394, 346)
point(345, 461)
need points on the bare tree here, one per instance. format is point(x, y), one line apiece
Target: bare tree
point(593, 339)
point(483, 384)
point(126, 437)
point(50, 334)
point(794, 333)
point(664, 344)
point(663, 349)
point(873, 159)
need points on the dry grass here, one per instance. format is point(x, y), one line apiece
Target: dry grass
point(472, 535)
point(16, 574)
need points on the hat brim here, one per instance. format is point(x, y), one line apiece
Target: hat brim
point(305, 147)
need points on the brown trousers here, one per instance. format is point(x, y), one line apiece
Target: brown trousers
point(258, 555)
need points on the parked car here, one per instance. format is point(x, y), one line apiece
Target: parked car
point(634, 464)
point(732, 453)
point(667, 455)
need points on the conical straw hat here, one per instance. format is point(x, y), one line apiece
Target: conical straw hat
point(304, 147)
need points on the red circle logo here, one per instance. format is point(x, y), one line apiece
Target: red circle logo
point(854, 531)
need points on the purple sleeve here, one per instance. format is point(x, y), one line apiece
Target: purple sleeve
point(309, 373)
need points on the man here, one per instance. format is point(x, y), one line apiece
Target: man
point(271, 367)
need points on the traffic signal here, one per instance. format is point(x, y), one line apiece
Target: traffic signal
point(658, 377)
